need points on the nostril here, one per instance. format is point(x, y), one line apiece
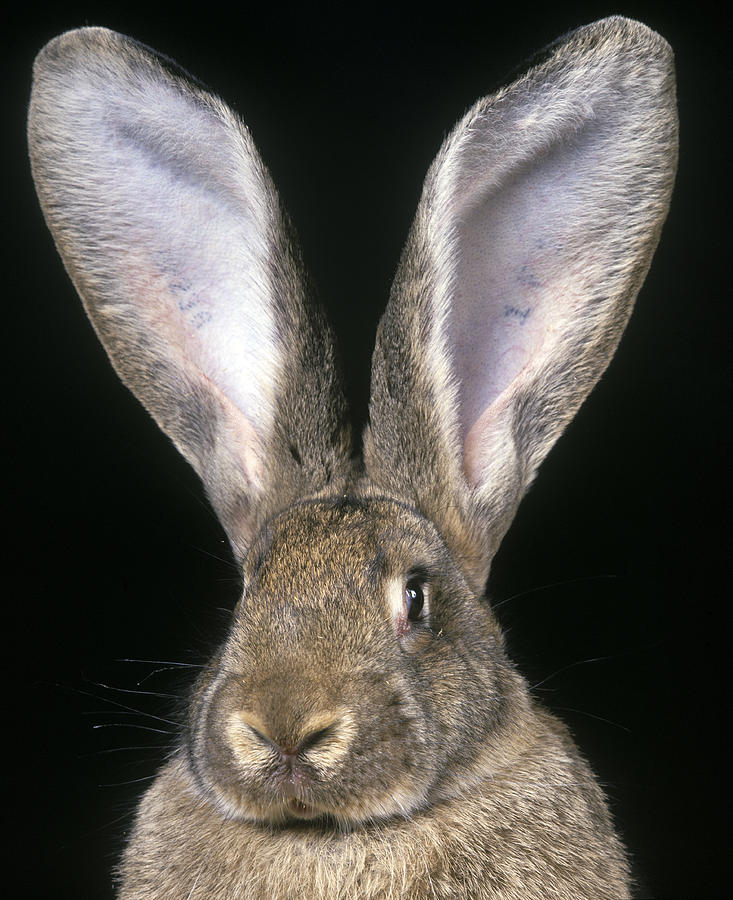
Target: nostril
point(316, 737)
point(290, 753)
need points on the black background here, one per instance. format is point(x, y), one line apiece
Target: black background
point(611, 579)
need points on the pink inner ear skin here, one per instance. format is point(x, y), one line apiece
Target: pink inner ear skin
point(484, 406)
point(478, 441)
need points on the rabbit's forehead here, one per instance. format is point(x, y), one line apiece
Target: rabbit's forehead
point(351, 543)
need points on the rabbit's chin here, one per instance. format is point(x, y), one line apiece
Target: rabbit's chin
point(287, 810)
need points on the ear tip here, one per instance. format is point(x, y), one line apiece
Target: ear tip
point(616, 57)
point(70, 43)
point(53, 70)
point(629, 35)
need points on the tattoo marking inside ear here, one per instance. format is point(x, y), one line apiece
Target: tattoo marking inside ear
point(511, 312)
point(195, 308)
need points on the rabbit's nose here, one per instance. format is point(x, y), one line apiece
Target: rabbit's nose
point(293, 749)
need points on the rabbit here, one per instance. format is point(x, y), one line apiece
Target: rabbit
point(362, 732)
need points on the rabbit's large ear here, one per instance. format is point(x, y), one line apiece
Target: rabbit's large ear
point(171, 230)
point(535, 229)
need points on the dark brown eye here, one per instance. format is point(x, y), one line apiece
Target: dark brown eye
point(415, 600)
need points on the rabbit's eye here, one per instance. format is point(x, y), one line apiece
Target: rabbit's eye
point(414, 599)
point(409, 605)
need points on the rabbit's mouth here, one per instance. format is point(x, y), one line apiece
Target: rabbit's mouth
point(300, 810)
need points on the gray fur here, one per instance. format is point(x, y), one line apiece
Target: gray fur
point(338, 746)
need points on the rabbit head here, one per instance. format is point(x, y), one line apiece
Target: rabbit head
point(364, 677)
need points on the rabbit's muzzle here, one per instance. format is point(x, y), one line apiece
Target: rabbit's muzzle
point(295, 763)
point(317, 706)
point(278, 749)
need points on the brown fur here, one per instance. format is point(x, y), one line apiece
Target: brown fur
point(343, 743)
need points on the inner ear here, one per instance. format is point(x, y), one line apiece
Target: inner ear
point(528, 253)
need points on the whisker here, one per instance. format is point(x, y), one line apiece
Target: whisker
point(227, 562)
point(119, 690)
point(116, 784)
point(130, 709)
point(555, 584)
point(591, 715)
point(121, 750)
point(573, 665)
point(161, 662)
